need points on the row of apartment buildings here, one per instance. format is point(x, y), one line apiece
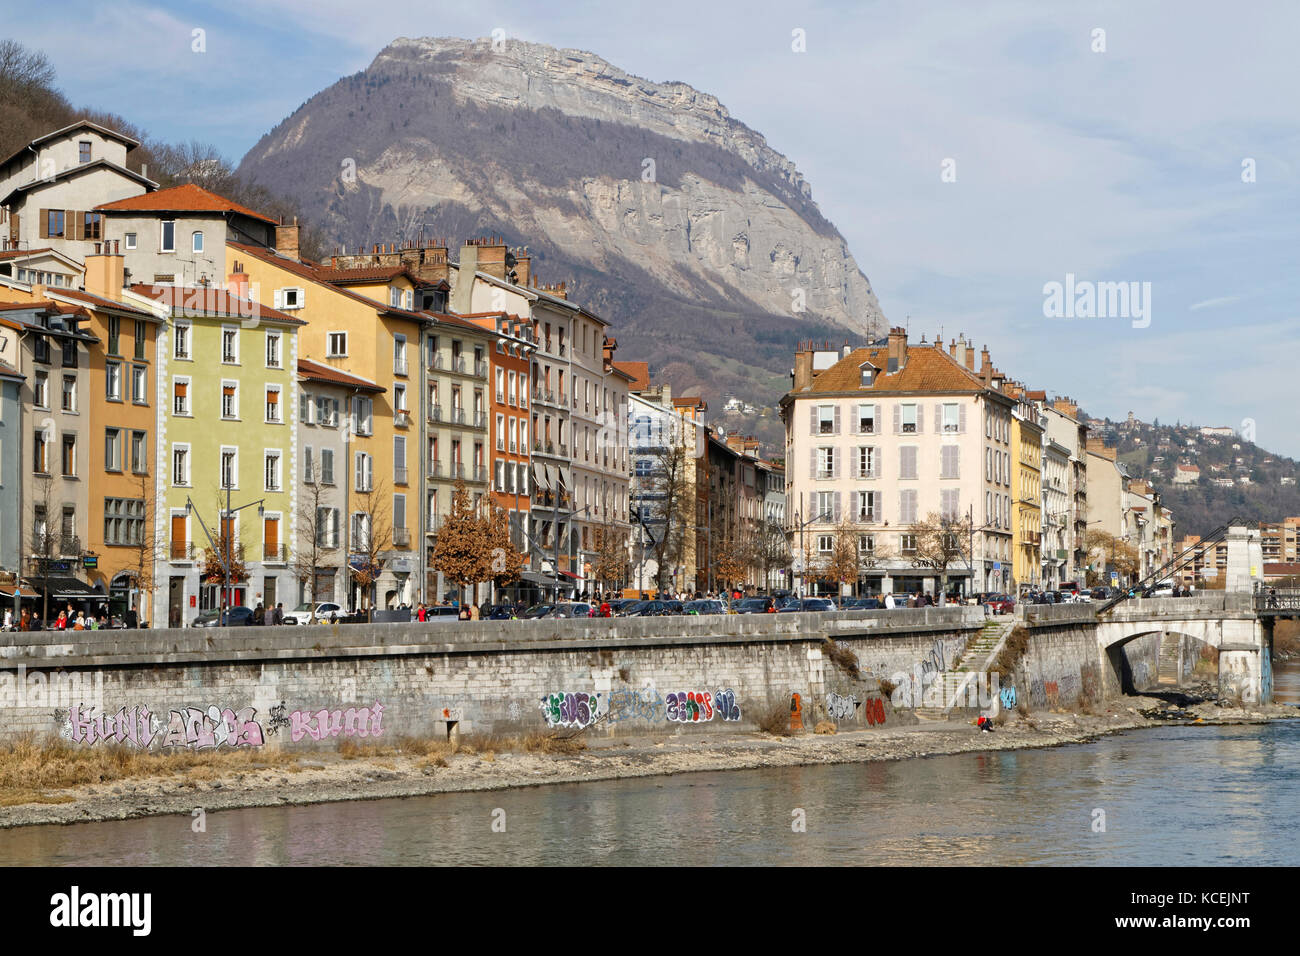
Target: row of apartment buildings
point(175, 349)
point(886, 435)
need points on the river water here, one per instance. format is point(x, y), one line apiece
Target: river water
point(1175, 795)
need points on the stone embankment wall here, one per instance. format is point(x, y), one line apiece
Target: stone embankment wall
point(313, 686)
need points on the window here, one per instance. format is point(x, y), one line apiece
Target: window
point(399, 354)
point(92, 227)
point(69, 456)
point(41, 350)
point(140, 452)
point(54, 223)
point(273, 416)
point(949, 502)
point(308, 466)
point(141, 337)
point(114, 336)
point(825, 462)
point(229, 345)
point(866, 544)
point(866, 419)
point(644, 466)
point(140, 384)
point(181, 396)
point(327, 466)
point(825, 419)
point(338, 345)
point(907, 506)
point(908, 412)
point(361, 413)
point(69, 393)
point(273, 350)
point(399, 509)
point(866, 462)
point(70, 353)
point(868, 375)
point(130, 240)
point(113, 381)
point(112, 449)
point(360, 531)
point(951, 417)
point(501, 386)
point(825, 543)
point(288, 298)
point(41, 454)
point(182, 350)
point(229, 468)
point(181, 465)
point(399, 459)
point(907, 461)
point(271, 471)
point(327, 527)
point(124, 521)
point(950, 461)
point(399, 397)
point(908, 543)
point(511, 394)
point(364, 472)
point(327, 411)
point(868, 505)
point(229, 399)
point(825, 506)
point(41, 390)
point(501, 433)
point(83, 151)
point(197, 242)
point(168, 237)
point(305, 406)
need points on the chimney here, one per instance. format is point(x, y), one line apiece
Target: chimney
point(897, 349)
point(1098, 447)
point(523, 266)
point(237, 281)
point(286, 240)
point(986, 365)
point(802, 374)
point(1066, 407)
point(959, 351)
point(105, 273)
point(492, 257)
point(461, 299)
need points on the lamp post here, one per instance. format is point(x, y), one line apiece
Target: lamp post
point(228, 558)
point(803, 551)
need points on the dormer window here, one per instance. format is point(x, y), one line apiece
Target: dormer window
point(868, 376)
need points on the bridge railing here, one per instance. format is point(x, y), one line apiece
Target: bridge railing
point(1277, 599)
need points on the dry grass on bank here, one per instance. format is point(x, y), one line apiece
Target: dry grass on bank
point(29, 766)
point(775, 719)
point(435, 753)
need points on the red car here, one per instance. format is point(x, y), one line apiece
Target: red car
point(1000, 603)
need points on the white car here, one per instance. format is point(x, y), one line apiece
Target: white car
point(325, 611)
point(1165, 589)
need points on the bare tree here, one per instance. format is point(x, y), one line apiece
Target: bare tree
point(43, 539)
point(942, 540)
point(665, 493)
point(370, 536)
point(148, 547)
point(318, 536)
point(770, 550)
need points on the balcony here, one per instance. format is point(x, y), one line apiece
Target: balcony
point(537, 395)
point(480, 474)
point(275, 553)
point(458, 416)
point(69, 545)
point(458, 469)
point(435, 469)
point(401, 538)
point(435, 414)
point(399, 366)
point(480, 369)
point(181, 551)
point(399, 474)
point(501, 397)
point(480, 420)
point(433, 524)
point(437, 364)
point(402, 418)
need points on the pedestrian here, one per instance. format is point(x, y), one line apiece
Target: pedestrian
point(9, 619)
point(61, 622)
point(259, 615)
point(463, 614)
point(79, 623)
point(606, 610)
point(25, 620)
point(421, 613)
point(278, 617)
point(132, 620)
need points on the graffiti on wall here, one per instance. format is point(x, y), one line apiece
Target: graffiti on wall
point(839, 707)
point(577, 709)
point(1008, 697)
point(796, 712)
point(193, 727)
point(570, 709)
point(934, 661)
point(645, 704)
point(278, 720)
point(322, 724)
point(874, 708)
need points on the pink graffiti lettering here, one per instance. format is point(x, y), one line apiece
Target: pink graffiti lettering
point(365, 722)
point(132, 726)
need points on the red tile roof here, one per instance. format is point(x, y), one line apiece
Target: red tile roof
point(102, 302)
point(14, 253)
point(372, 274)
point(219, 303)
point(185, 198)
point(928, 369)
point(639, 372)
point(316, 372)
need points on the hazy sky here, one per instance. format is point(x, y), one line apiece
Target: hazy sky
point(1122, 164)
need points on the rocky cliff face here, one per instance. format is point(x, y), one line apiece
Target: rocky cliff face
point(675, 221)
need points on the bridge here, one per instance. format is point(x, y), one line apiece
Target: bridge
point(1145, 644)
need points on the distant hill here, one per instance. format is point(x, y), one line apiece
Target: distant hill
point(1152, 451)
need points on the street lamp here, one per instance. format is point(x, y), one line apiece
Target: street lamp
point(228, 558)
point(803, 551)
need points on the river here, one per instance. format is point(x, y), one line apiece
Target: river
point(1175, 795)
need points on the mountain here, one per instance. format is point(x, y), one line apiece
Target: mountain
point(667, 216)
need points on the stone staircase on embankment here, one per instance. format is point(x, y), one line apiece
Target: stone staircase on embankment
point(979, 654)
point(1168, 675)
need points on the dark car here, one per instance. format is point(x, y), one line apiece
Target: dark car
point(630, 608)
point(705, 607)
point(865, 604)
point(817, 604)
point(536, 611)
point(569, 609)
point(752, 605)
point(502, 612)
point(231, 617)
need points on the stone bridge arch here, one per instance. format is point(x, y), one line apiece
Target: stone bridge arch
point(1160, 658)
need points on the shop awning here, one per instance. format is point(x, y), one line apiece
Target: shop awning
point(7, 591)
point(539, 477)
point(536, 577)
point(64, 588)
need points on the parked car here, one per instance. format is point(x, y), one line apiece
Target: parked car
point(630, 608)
point(705, 607)
point(324, 611)
point(568, 609)
point(1165, 589)
point(536, 611)
point(817, 604)
point(231, 617)
point(753, 605)
point(1000, 603)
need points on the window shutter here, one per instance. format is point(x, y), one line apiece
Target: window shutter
point(837, 419)
point(898, 419)
point(812, 412)
point(854, 510)
point(879, 502)
point(45, 224)
point(938, 417)
point(956, 461)
point(878, 461)
point(920, 417)
point(902, 507)
point(835, 463)
point(812, 506)
point(279, 299)
point(836, 512)
point(961, 420)
point(812, 464)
